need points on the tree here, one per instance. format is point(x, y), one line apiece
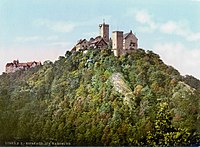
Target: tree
point(164, 133)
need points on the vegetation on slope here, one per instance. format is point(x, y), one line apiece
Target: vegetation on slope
point(95, 98)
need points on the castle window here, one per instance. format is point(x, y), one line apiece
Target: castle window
point(132, 44)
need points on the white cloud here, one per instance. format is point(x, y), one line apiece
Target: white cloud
point(90, 34)
point(23, 39)
point(195, 0)
point(184, 59)
point(168, 27)
point(145, 18)
point(193, 36)
point(51, 38)
point(177, 28)
point(61, 44)
point(28, 38)
point(57, 26)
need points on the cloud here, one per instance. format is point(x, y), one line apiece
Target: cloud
point(90, 34)
point(45, 41)
point(177, 28)
point(57, 26)
point(23, 39)
point(168, 27)
point(193, 36)
point(145, 18)
point(195, 0)
point(68, 26)
point(184, 59)
point(27, 39)
point(61, 44)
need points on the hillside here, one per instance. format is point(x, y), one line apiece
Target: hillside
point(98, 99)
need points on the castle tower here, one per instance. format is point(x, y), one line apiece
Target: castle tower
point(104, 31)
point(117, 42)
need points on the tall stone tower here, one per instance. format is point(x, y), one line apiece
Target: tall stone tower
point(104, 31)
point(117, 42)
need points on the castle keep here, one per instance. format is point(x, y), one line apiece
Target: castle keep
point(104, 31)
point(121, 43)
point(117, 42)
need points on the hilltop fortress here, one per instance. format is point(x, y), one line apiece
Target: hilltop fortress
point(120, 43)
point(16, 65)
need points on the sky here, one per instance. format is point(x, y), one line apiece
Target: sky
point(40, 30)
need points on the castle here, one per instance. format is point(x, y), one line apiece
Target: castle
point(15, 65)
point(121, 43)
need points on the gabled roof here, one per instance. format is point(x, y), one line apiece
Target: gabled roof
point(30, 63)
point(97, 40)
point(9, 64)
point(127, 34)
point(74, 48)
point(101, 41)
point(81, 41)
point(91, 39)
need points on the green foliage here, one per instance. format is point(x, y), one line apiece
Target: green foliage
point(164, 133)
point(76, 100)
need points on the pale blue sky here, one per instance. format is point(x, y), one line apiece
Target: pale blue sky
point(44, 29)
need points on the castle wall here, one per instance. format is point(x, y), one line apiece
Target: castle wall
point(9, 69)
point(12, 69)
point(83, 45)
point(130, 42)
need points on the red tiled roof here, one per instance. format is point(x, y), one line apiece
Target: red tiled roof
point(30, 63)
point(100, 41)
point(97, 40)
point(23, 64)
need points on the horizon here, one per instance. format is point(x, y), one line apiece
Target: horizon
point(35, 30)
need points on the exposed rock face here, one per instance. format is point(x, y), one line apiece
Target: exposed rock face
point(120, 86)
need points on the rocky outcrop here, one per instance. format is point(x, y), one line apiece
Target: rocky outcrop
point(120, 86)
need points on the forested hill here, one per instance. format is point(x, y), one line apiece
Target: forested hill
point(95, 98)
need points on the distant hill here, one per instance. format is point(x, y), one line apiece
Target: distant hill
point(95, 98)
